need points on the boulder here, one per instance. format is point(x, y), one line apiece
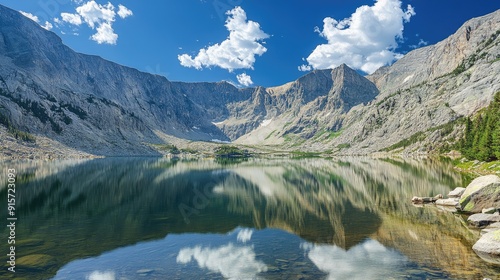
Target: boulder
point(448, 202)
point(456, 193)
point(488, 247)
point(482, 192)
point(482, 220)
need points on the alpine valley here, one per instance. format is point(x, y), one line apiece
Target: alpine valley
point(55, 102)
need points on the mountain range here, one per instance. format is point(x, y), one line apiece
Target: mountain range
point(67, 101)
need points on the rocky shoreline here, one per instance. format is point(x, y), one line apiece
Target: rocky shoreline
point(481, 200)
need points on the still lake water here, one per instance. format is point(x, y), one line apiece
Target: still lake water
point(154, 218)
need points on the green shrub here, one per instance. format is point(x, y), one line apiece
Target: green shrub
point(230, 152)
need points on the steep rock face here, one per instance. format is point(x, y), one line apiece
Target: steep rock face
point(431, 62)
point(422, 93)
point(313, 104)
point(84, 101)
point(321, 94)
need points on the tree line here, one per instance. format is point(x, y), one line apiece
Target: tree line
point(481, 140)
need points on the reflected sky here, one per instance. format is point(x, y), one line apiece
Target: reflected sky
point(231, 261)
point(223, 256)
point(129, 218)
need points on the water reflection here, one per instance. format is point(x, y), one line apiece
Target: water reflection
point(231, 261)
point(346, 207)
point(378, 262)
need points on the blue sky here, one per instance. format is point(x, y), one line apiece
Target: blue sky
point(250, 42)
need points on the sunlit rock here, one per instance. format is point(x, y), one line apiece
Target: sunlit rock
point(482, 192)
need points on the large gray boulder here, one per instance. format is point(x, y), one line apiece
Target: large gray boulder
point(482, 192)
point(488, 247)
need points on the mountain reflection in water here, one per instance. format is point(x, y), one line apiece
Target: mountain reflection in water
point(150, 217)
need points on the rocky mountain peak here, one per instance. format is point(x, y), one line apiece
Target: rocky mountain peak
point(433, 61)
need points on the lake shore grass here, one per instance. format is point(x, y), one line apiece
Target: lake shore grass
point(477, 167)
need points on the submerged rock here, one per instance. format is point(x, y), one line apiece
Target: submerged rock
point(488, 247)
point(482, 192)
point(36, 261)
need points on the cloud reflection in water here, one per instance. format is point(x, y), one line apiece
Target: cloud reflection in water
point(231, 261)
point(244, 235)
point(97, 275)
point(367, 260)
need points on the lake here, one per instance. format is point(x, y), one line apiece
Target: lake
point(157, 218)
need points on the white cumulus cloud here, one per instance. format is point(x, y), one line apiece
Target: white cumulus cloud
point(366, 41)
point(105, 34)
point(30, 16)
point(238, 51)
point(74, 19)
point(47, 25)
point(98, 17)
point(93, 13)
point(231, 261)
point(305, 67)
point(124, 12)
point(244, 79)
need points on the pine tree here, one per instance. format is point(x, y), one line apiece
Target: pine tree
point(495, 134)
point(466, 143)
point(495, 140)
point(484, 151)
point(474, 149)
